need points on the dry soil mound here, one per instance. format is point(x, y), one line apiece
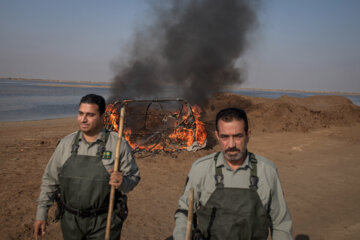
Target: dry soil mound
point(288, 113)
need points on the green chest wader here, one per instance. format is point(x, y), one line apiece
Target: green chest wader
point(85, 191)
point(234, 213)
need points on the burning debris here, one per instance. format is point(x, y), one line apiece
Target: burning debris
point(189, 51)
point(159, 125)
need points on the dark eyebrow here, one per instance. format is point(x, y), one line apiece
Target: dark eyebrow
point(235, 135)
point(86, 113)
point(224, 135)
point(238, 135)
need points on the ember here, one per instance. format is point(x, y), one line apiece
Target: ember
point(159, 125)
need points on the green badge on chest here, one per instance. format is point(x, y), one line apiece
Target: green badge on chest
point(106, 155)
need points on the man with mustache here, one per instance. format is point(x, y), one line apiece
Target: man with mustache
point(237, 194)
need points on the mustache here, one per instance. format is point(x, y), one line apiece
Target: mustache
point(233, 149)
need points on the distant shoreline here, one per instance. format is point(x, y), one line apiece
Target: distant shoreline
point(51, 80)
point(69, 85)
point(62, 83)
point(293, 90)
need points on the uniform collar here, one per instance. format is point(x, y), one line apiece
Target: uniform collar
point(100, 137)
point(221, 162)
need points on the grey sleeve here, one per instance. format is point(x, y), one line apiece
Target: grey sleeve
point(280, 216)
point(50, 183)
point(181, 215)
point(131, 173)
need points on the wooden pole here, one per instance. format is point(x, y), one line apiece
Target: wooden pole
point(190, 214)
point(116, 166)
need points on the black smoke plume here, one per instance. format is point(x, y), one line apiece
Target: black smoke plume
point(189, 51)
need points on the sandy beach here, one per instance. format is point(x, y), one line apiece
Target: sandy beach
point(314, 142)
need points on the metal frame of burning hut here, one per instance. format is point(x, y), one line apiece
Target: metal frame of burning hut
point(158, 125)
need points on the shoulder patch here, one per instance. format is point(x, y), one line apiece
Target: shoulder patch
point(107, 155)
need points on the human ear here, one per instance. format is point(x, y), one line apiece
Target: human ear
point(248, 134)
point(217, 135)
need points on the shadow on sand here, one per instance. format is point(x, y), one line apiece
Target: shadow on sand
point(302, 237)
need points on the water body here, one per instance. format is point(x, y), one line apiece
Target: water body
point(37, 100)
point(33, 100)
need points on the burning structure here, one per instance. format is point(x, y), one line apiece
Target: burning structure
point(159, 125)
point(189, 50)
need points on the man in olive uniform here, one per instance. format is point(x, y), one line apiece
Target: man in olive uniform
point(237, 194)
point(81, 169)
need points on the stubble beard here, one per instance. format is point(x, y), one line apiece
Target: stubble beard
point(235, 157)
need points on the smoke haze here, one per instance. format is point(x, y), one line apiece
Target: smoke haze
point(188, 52)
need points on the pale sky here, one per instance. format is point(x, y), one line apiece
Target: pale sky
point(299, 44)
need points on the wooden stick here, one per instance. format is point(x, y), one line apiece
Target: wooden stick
point(116, 166)
point(190, 214)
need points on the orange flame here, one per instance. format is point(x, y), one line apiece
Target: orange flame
point(187, 129)
point(200, 133)
point(111, 118)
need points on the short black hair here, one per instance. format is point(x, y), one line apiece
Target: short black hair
point(229, 114)
point(94, 99)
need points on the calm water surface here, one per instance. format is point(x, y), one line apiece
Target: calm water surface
point(28, 100)
point(31, 100)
